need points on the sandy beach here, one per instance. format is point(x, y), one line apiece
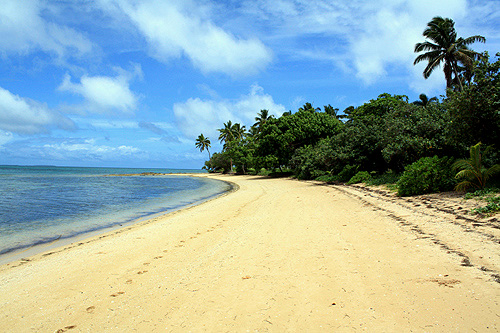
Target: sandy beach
point(275, 255)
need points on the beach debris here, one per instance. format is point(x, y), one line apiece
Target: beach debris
point(246, 277)
point(117, 294)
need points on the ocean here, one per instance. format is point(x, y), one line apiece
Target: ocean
point(41, 204)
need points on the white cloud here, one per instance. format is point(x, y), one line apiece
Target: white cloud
point(197, 116)
point(105, 94)
point(24, 116)
point(23, 30)
point(368, 38)
point(389, 34)
point(177, 28)
point(86, 149)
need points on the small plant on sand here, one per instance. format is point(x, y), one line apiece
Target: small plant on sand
point(472, 169)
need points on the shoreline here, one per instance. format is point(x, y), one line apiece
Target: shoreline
point(276, 255)
point(24, 253)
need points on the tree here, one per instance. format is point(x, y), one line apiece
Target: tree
point(262, 117)
point(474, 112)
point(472, 169)
point(281, 137)
point(424, 100)
point(308, 107)
point(445, 47)
point(238, 131)
point(203, 143)
point(226, 134)
point(331, 111)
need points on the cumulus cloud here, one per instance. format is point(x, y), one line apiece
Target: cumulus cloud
point(25, 116)
point(23, 29)
point(197, 116)
point(183, 28)
point(105, 94)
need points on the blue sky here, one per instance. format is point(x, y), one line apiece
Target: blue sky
point(133, 83)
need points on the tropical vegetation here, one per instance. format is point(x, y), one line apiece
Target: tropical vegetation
point(387, 139)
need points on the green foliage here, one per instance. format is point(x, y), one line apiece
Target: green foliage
point(472, 169)
point(347, 172)
point(492, 207)
point(474, 112)
point(444, 46)
point(283, 136)
point(388, 178)
point(203, 143)
point(360, 177)
point(427, 175)
point(264, 172)
point(219, 162)
point(491, 196)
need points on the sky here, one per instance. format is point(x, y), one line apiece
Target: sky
point(127, 83)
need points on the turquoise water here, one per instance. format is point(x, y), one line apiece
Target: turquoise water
point(41, 204)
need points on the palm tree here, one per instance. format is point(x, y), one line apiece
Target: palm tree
point(238, 131)
point(226, 134)
point(203, 143)
point(445, 47)
point(308, 107)
point(331, 111)
point(472, 169)
point(262, 117)
point(425, 101)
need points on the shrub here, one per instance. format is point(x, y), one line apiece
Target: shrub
point(360, 177)
point(348, 172)
point(388, 178)
point(264, 172)
point(427, 175)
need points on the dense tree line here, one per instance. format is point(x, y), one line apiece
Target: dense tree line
point(386, 135)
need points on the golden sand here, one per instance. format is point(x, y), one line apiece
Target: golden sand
point(277, 255)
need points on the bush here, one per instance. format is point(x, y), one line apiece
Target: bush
point(360, 177)
point(348, 172)
point(427, 175)
point(388, 178)
point(264, 172)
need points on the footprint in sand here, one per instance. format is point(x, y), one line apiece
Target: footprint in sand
point(158, 257)
point(141, 272)
point(128, 282)
point(146, 263)
point(65, 328)
point(90, 309)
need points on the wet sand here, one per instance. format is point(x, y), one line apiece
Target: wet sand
point(277, 255)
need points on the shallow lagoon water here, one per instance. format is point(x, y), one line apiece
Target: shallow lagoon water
point(41, 204)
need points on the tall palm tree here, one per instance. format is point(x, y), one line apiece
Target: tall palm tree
point(203, 143)
point(425, 101)
point(262, 117)
point(231, 132)
point(443, 46)
point(238, 131)
point(226, 134)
